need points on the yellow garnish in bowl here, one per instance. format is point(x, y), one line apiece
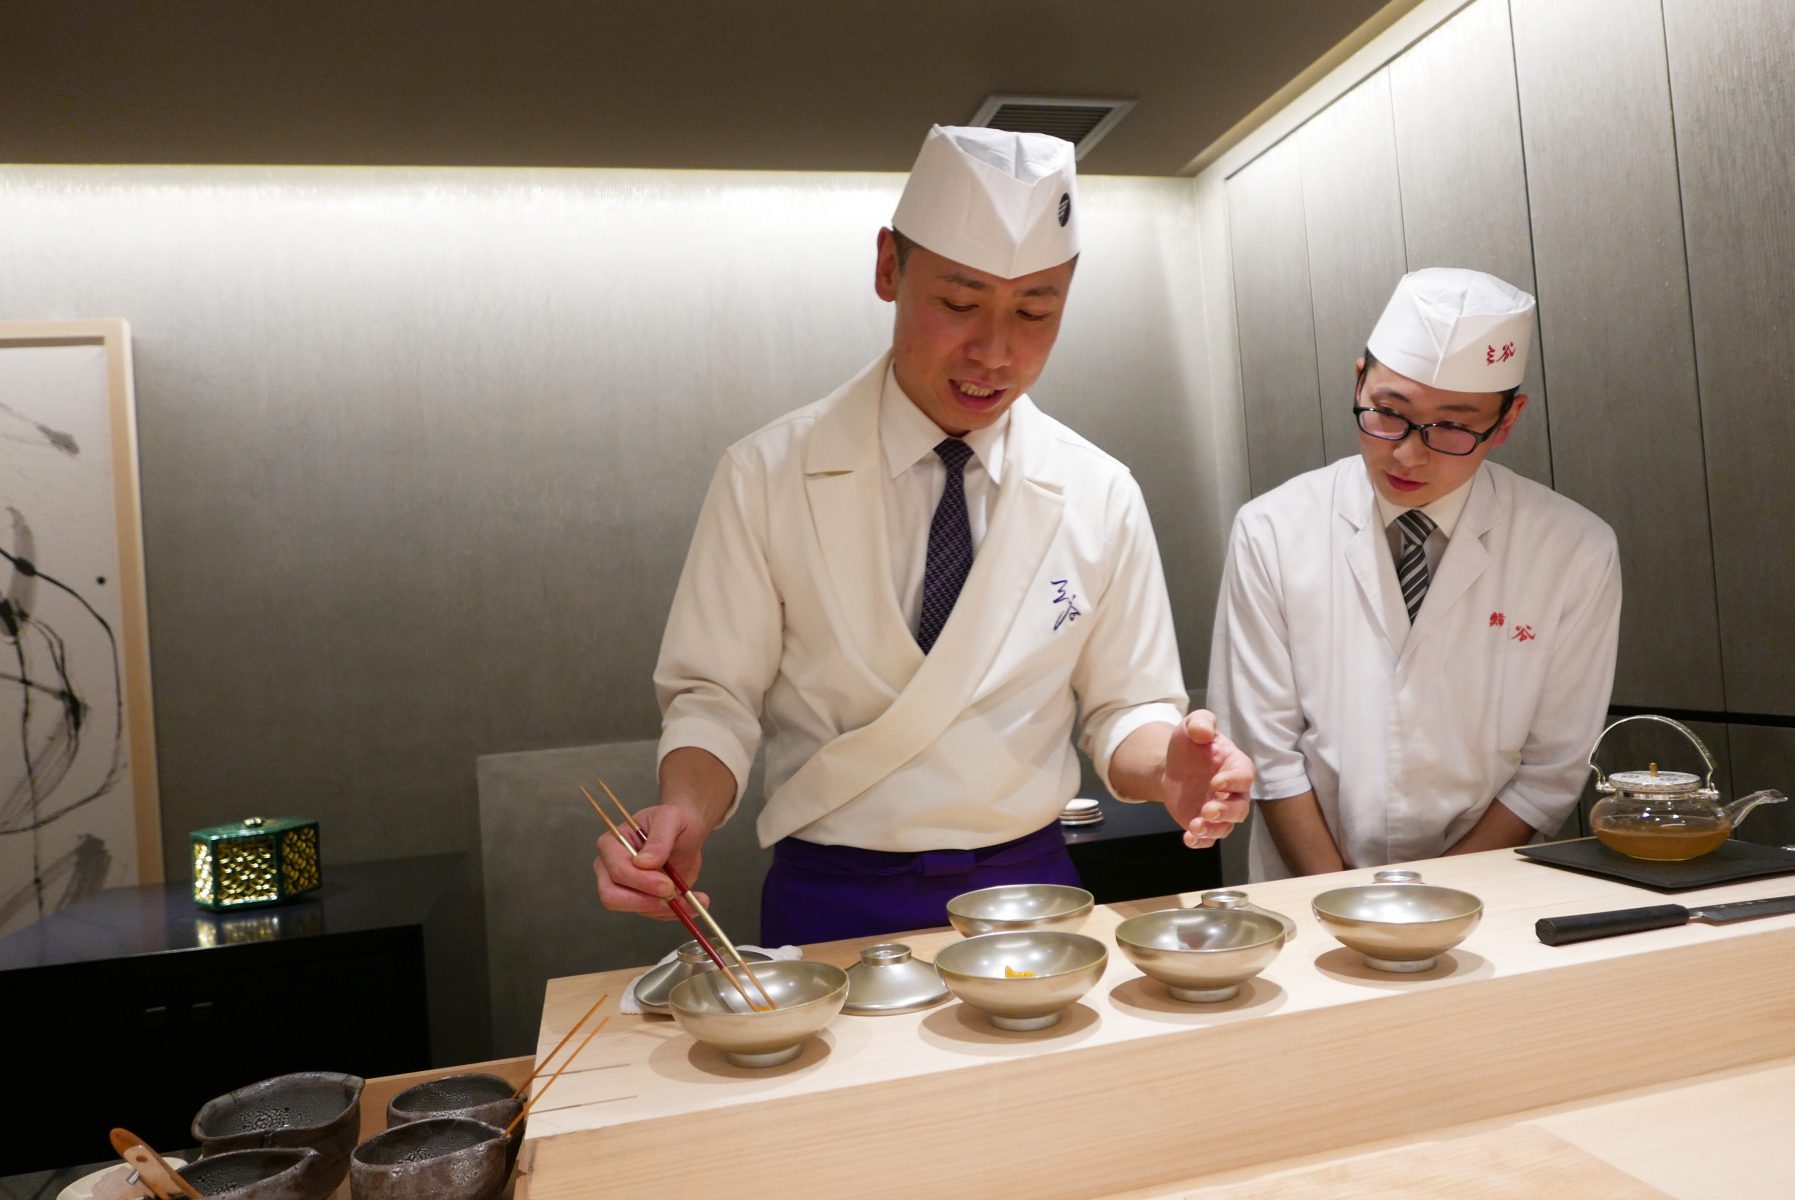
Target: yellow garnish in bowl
point(1010, 972)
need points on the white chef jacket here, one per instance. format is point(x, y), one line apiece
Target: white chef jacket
point(787, 616)
point(1407, 734)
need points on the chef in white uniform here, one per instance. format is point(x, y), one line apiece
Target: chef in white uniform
point(1415, 646)
point(927, 498)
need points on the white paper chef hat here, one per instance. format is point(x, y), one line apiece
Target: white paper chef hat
point(1456, 329)
point(1001, 202)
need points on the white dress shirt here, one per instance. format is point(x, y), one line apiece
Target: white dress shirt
point(1444, 513)
point(914, 477)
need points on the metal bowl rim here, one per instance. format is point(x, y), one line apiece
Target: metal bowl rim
point(1278, 934)
point(1326, 914)
point(840, 988)
point(1100, 961)
point(1083, 906)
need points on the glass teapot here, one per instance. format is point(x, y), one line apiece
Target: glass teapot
point(1666, 816)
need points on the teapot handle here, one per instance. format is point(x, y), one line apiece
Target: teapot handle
point(1677, 725)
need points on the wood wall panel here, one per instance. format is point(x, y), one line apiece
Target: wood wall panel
point(1352, 209)
point(1731, 67)
point(1464, 193)
point(1276, 329)
point(1614, 318)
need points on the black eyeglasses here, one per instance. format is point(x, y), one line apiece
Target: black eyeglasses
point(1442, 436)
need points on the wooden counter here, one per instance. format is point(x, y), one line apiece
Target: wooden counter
point(1318, 1061)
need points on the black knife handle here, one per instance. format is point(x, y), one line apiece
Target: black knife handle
point(1583, 927)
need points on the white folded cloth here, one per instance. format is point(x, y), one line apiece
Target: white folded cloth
point(782, 954)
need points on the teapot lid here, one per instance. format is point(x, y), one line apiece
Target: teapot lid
point(1655, 782)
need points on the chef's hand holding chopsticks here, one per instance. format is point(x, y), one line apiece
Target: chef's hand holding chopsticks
point(1202, 778)
point(694, 786)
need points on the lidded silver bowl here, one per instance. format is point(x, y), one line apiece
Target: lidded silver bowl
point(1203, 954)
point(1398, 923)
point(889, 979)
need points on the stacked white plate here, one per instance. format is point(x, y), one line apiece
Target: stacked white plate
point(1081, 812)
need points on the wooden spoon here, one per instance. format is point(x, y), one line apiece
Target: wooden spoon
point(156, 1174)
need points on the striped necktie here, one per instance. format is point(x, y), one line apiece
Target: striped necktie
point(950, 546)
point(1411, 568)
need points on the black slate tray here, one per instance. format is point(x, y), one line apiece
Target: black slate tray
point(1734, 860)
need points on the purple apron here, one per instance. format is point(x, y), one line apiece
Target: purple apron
point(818, 893)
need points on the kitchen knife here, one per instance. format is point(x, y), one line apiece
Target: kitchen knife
point(1582, 927)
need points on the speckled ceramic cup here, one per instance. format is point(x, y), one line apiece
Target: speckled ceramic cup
point(431, 1159)
point(477, 1097)
point(319, 1110)
point(279, 1173)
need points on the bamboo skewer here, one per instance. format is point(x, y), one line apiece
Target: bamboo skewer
point(686, 889)
point(679, 911)
point(525, 1110)
point(550, 1056)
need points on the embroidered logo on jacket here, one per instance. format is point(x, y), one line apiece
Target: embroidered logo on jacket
point(1519, 632)
point(1067, 602)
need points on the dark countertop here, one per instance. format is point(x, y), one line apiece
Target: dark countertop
point(162, 918)
point(1122, 820)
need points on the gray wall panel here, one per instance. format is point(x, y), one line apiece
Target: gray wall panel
point(1614, 313)
point(1352, 206)
point(1731, 67)
point(543, 918)
point(1276, 330)
point(1764, 757)
point(421, 450)
point(1464, 195)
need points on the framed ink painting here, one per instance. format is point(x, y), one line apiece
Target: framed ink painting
point(78, 809)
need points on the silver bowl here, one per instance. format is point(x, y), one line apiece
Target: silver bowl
point(1398, 923)
point(986, 972)
point(1019, 906)
point(1202, 954)
point(807, 996)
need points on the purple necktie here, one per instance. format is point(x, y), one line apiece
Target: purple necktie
point(950, 546)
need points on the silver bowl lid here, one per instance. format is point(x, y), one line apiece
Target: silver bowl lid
point(888, 979)
point(1234, 898)
point(654, 988)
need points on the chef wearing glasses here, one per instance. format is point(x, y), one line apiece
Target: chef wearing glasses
point(1414, 646)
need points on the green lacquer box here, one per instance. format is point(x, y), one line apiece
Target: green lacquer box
point(262, 860)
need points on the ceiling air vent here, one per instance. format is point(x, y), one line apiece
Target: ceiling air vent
point(1081, 121)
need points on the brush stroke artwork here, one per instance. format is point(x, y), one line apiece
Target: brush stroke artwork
point(67, 822)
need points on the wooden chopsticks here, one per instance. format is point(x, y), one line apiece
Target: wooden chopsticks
point(673, 902)
point(550, 1056)
point(543, 1090)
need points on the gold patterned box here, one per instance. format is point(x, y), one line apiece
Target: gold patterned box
point(260, 860)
